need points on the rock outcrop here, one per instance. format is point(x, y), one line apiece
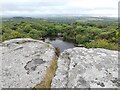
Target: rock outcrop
point(87, 68)
point(24, 62)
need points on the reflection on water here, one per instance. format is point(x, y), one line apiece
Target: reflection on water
point(59, 43)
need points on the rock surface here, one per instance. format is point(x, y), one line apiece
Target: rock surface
point(24, 62)
point(87, 68)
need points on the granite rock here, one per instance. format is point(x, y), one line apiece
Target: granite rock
point(87, 68)
point(24, 62)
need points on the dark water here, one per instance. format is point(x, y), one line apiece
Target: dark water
point(59, 43)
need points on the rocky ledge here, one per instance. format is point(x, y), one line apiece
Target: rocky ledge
point(87, 68)
point(24, 62)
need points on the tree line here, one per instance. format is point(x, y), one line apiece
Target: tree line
point(88, 34)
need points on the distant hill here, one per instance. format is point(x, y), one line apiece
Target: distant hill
point(82, 19)
point(65, 19)
point(19, 19)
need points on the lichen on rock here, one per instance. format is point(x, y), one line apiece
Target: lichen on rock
point(24, 62)
point(87, 68)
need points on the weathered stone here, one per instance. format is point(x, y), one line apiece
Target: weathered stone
point(24, 62)
point(87, 68)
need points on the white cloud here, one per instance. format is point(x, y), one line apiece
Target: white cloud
point(93, 3)
point(41, 7)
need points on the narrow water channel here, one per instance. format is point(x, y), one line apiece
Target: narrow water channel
point(59, 43)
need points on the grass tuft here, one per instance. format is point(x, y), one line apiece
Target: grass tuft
point(46, 82)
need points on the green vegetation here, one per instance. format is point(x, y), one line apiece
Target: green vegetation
point(90, 34)
point(102, 44)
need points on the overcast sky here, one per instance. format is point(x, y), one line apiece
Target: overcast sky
point(37, 8)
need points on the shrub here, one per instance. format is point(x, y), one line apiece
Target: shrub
point(35, 34)
point(81, 39)
point(15, 34)
point(102, 44)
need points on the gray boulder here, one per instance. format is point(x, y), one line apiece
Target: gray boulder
point(24, 62)
point(87, 68)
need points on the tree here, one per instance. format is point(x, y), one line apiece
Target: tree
point(35, 34)
point(81, 39)
point(27, 28)
point(15, 34)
